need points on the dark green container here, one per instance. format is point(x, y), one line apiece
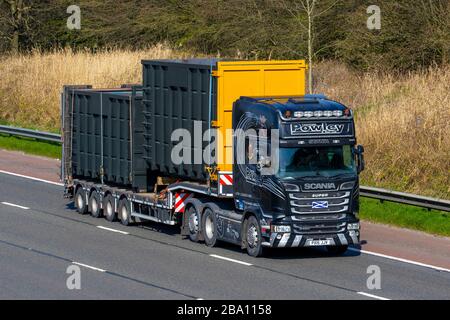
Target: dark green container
point(108, 136)
point(176, 94)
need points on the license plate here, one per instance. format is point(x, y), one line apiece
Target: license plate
point(316, 243)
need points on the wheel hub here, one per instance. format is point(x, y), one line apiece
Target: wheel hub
point(124, 213)
point(80, 201)
point(252, 236)
point(209, 227)
point(193, 222)
point(94, 205)
point(109, 209)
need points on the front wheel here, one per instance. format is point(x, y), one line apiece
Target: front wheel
point(338, 250)
point(209, 228)
point(253, 238)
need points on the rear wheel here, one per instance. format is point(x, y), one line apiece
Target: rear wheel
point(94, 204)
point(209, 228)
point(338, 250)
point(193, 219)
point(125, 212)
point(80, 201)
point(253, 237)
point(108, 208)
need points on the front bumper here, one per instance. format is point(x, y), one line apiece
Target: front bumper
point(292, 240)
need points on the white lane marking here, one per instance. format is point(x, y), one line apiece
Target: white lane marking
point(88, 266)
point(112, 230)
point(400, 259)
point(231, 260)
point(372, 296)
point(15, 205)
point(31, 178)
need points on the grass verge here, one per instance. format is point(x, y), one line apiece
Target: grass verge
point(30, 146)
point(400, 215)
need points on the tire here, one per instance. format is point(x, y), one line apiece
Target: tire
point(124, 212)
point(253, 238)
point(193, 220)
point(80, 201)
point(337, 250)
point(108, 209)
point(94, 205)
point(209, 227)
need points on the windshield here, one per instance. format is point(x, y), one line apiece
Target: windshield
point(327, 161)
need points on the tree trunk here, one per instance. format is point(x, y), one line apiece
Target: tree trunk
point(15, 42)
point(310, 48)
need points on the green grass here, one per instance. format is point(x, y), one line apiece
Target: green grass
point(400, 215)
point(30, 146)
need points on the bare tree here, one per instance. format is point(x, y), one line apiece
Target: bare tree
point(18, 21)
point(304, 13)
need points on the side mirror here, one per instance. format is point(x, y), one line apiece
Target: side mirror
point(361, 162)
point(264, 163)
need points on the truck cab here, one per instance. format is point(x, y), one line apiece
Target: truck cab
point(304, 187)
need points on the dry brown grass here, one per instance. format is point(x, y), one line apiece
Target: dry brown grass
point(403, 121)
point(30, 84)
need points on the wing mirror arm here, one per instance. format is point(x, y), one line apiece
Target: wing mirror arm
point(361, 162)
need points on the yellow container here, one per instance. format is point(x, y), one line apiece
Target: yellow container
point(236, 79)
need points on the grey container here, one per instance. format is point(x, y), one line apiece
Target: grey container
point(107, 136)
point(177, 93)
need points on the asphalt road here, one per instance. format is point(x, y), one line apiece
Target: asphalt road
point(41, 235)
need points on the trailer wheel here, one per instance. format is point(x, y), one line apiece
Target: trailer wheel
point(125, 212)
point(193, 219)
point(80, 201)
point(337, 250)
point(253, 237)
point(94, 204)
point(209, 227)
point(108, 208)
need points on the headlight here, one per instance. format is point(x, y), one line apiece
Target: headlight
point(337, 113)
point(291, 187)
point(353, 226)
point(309, 114)
point(328, 113)
point(299, 114)
point(347, 185)
point(318, 113)
point(281, 229)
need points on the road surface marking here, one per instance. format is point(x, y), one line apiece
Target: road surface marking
point(372, 296)
point(31, 178)
point(400, 259)
point(88, 266)
point(112, 230)
point(15, 205)
point(231, 260)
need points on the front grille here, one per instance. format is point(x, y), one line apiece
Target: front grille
point(320, 220)
point(319, 228)
point(319, 217)
point(337, 202)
